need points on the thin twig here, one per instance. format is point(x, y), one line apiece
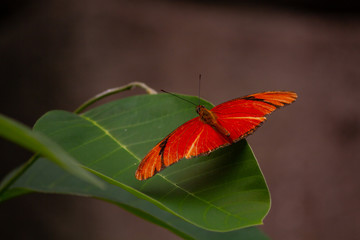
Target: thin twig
point(112, 91)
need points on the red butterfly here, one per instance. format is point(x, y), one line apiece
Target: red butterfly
point(221, 126)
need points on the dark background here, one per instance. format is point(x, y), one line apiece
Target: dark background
point(56, 54)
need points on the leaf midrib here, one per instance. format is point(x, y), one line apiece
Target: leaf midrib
point(170, 182)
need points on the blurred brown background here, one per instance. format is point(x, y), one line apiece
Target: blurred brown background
point(56, 54)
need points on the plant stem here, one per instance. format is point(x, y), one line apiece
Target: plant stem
point(112, 91)
point(7, 183)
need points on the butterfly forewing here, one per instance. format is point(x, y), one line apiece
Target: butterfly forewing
point(191, 139)
point(170, 150)
point(242, 116)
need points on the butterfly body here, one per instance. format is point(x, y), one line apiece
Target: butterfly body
point(223, 125)
point(210, 118)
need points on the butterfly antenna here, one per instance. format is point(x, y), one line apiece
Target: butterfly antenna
point(199, 87)
point(178, 97)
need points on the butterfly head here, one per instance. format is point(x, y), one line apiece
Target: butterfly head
point(205, 114)
point(200, 109)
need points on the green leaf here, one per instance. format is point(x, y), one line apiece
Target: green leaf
point(38, 143)
point(46, 177)
point(221, 192)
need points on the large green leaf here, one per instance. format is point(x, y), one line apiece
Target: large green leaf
point(221, 192)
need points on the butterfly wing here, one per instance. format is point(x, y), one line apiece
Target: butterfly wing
point(191, 139)
point(242, 116)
